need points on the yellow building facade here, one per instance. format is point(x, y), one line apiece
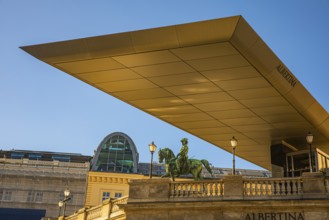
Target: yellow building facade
point(104, 185)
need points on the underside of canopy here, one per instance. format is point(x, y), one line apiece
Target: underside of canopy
point(214, 79)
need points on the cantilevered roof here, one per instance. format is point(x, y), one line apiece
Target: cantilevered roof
point(214, 79)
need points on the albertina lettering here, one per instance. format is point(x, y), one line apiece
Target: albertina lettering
point(285, 73)
point(275, 216)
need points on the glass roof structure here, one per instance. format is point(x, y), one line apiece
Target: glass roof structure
point(116, 153)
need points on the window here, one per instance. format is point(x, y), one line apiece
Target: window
point(17, 155)
point(30, 197)
point(7, 196)
point(105, 195)
point(34, 156)
point(62, 158)
point(34, 196)
point(38, 197)
point(118, 195)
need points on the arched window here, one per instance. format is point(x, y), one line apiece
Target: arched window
point(116, 153)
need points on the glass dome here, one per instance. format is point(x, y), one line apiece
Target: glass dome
point(116, 153)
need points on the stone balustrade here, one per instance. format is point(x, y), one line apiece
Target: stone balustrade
point(310, 185)
point(273, 188)
point(109, 209)
point(200, 189)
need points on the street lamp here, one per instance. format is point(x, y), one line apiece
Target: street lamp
point(234, 142)
point(153, 148)
point(60, 205)
point(63, 202)
point(309, 139)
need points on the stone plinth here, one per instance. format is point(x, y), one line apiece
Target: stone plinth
point(233, 187)
point(154, 190)
point(313, 185)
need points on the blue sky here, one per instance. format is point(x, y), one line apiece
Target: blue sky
point(42, 108)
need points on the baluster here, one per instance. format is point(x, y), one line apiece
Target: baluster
point(222, 188)
point(185, 190)
point(272, 187)
point(262, 189)
point(283, 187)
point(198, 189)
point(288, 187)
point(259, 188)
point(268, 187)
point(188, 189)
point(253, 189)
point(211, 190)
point(245, 188)
point(172, 190)
point(219, 187)
point(293, 187)
point(195, 190)
point(204, 189)
point(249, 188)
point(216, 189)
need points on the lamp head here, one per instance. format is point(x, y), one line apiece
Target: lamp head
point(67, 193)
point(60, 204)
point(234, 142)
point(152, 147)
point(309, 138)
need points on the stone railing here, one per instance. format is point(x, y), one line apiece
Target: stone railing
point(309, 186)
point(198, 189)
point(273, 188)
point(75, 216)
point(116, 209)
point(109, 209)
point(95, 212)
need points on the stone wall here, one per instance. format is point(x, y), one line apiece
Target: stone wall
point(23, 181)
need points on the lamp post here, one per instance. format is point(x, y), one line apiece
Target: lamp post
point(63, 202)
point(66, 199)
point(234, 142)
point(309, 139)
point(153, 148)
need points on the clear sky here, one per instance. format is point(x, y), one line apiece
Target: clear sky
point(42, 108)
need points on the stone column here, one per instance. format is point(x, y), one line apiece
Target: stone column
point(233, 187)
point(313, 185)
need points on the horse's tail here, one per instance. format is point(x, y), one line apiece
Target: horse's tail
point(206, 164)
